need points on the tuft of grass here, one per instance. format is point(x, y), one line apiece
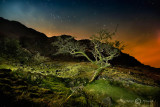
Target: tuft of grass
point(6, 66)
point(56, 86)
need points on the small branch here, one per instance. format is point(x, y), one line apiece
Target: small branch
point(97, 51)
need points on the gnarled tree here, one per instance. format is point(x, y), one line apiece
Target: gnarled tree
point(102, 49)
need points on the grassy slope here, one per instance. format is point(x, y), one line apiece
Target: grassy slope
point(50, 84)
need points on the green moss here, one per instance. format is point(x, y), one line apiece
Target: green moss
point(101, 89)
point(145, 90)
point(55, 86)
point(50, 83)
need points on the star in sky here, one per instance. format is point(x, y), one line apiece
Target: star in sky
point(138, 20)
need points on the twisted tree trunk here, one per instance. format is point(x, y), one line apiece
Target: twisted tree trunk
point(97, 72)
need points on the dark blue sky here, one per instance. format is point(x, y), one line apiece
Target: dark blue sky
point(60, 16)
point(138, 20)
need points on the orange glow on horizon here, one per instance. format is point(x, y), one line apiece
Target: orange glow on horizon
point(147, 53)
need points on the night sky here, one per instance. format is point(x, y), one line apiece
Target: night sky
point(138, 20)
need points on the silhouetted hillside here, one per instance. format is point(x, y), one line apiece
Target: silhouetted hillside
point(36, 41)
point(28, 37)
